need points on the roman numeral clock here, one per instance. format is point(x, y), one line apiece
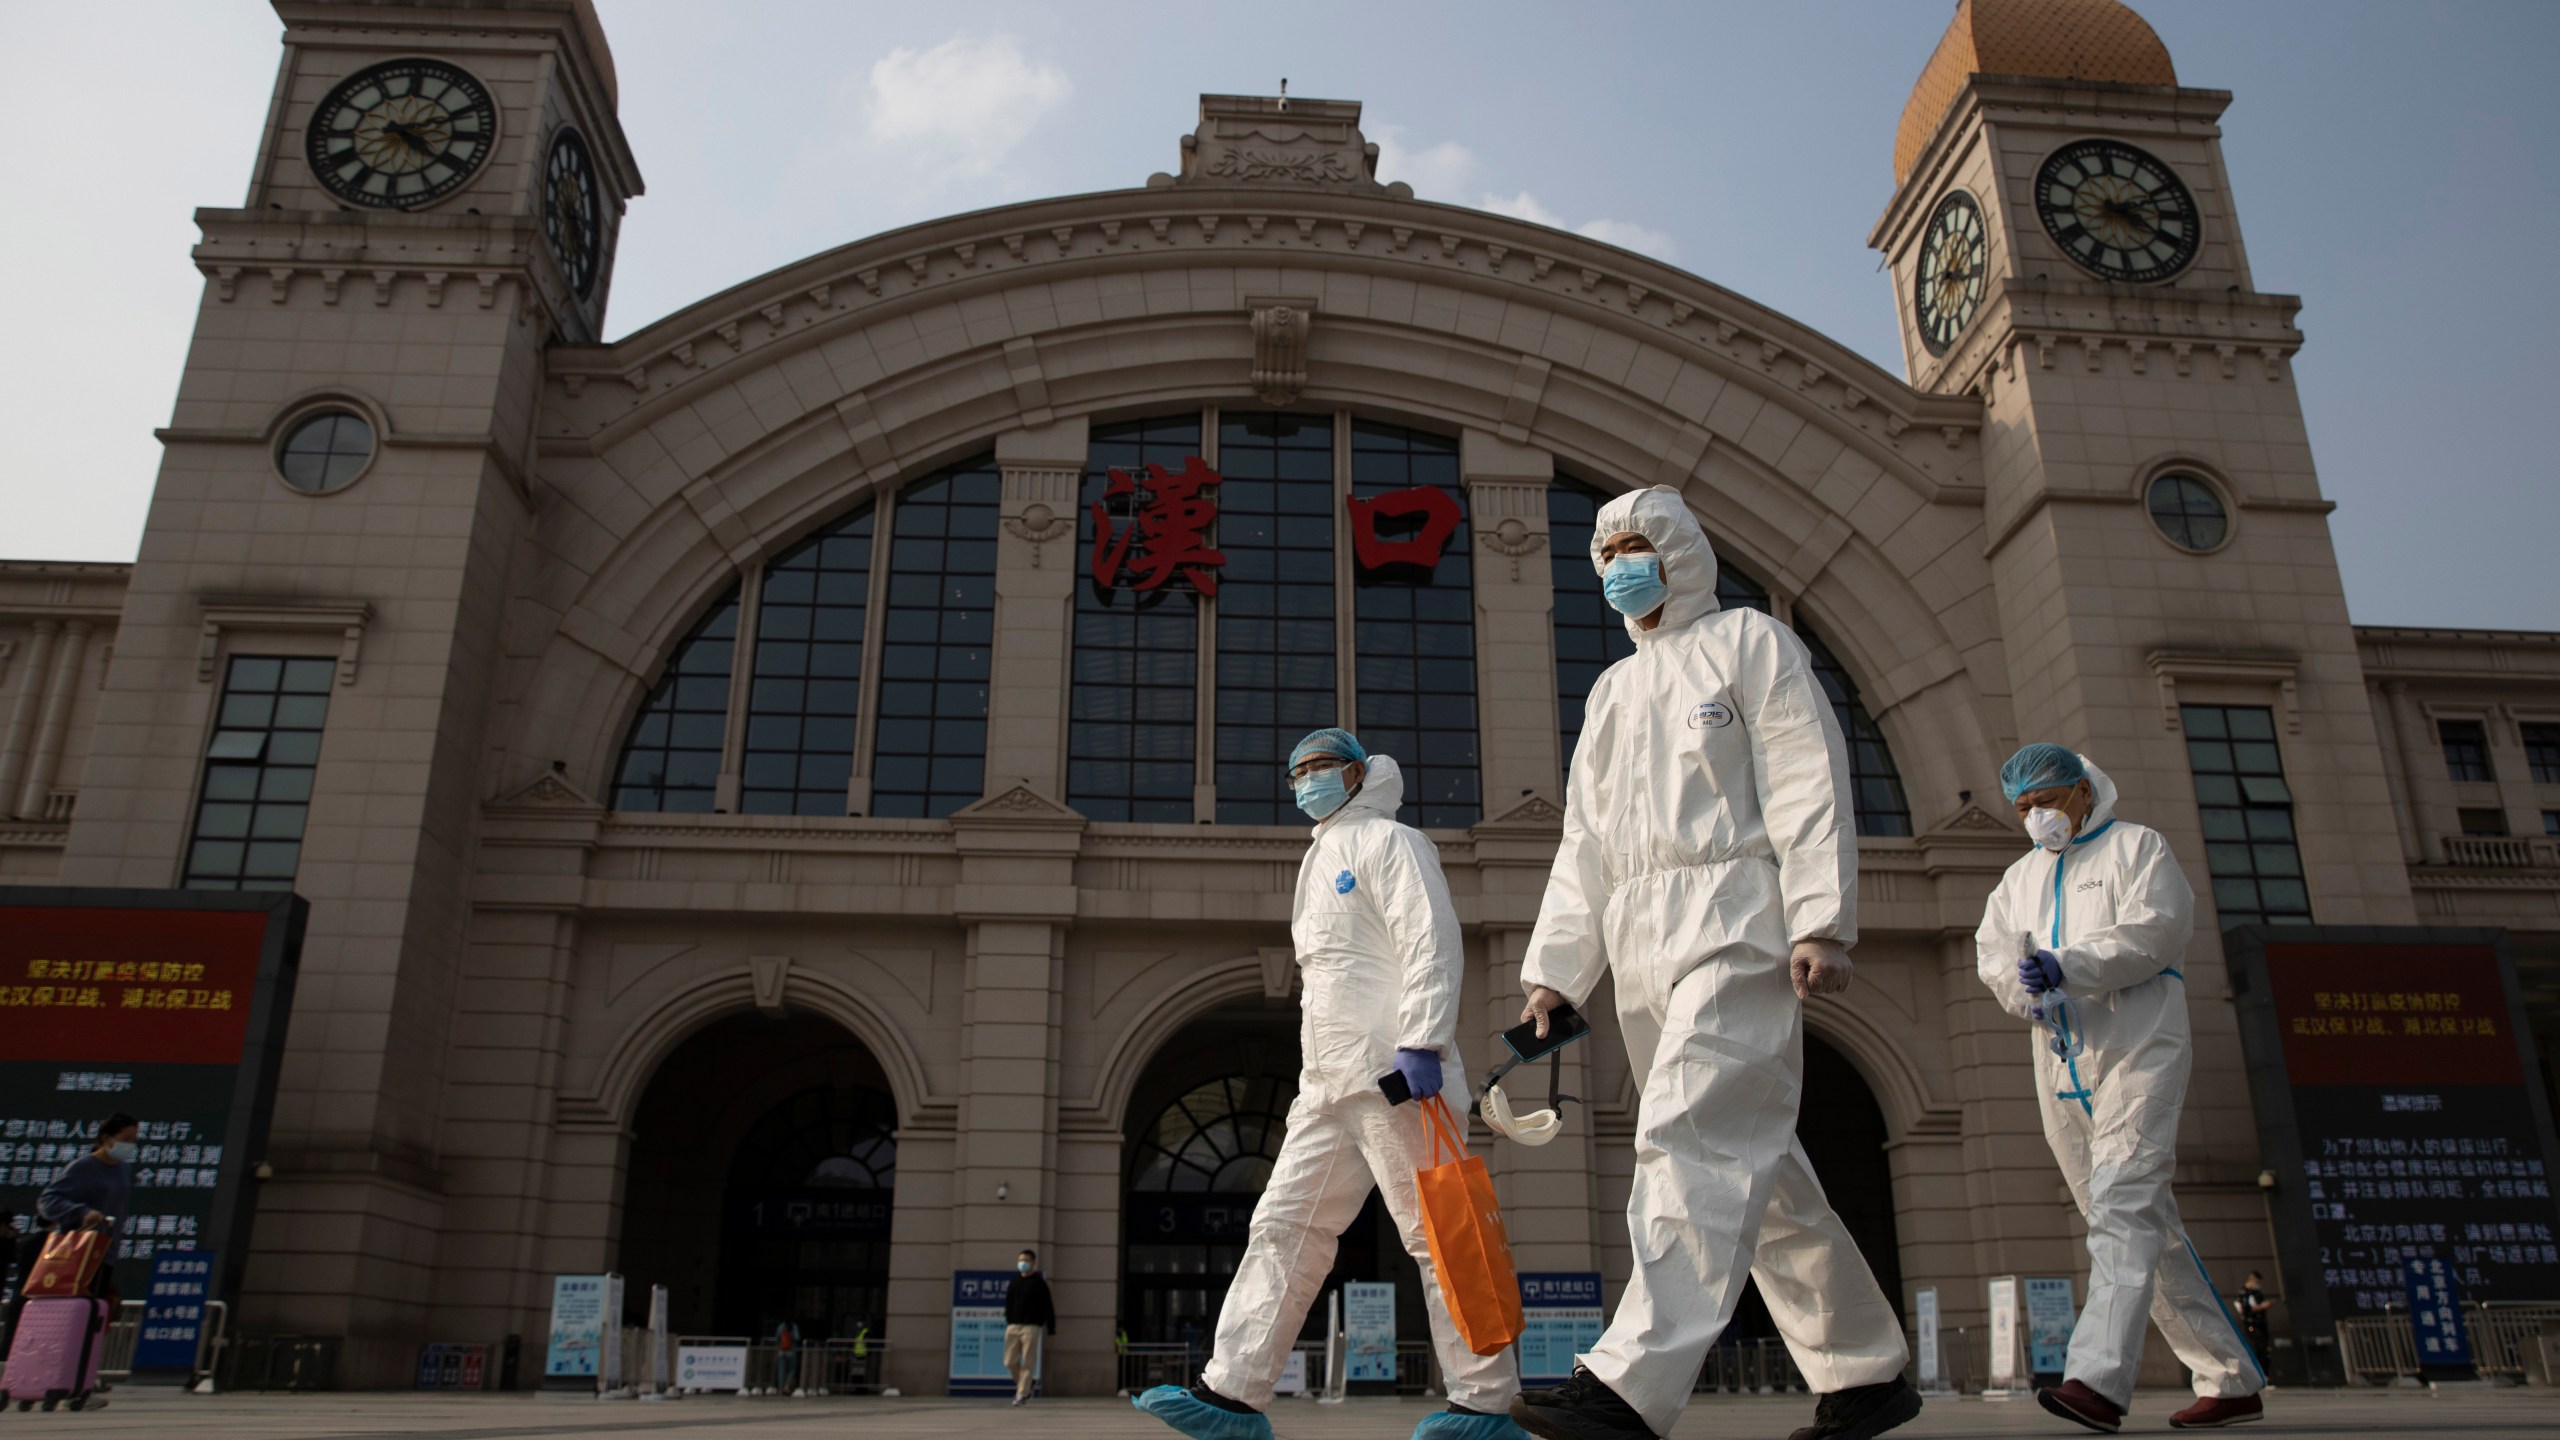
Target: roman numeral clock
point(402, 134)
point(2117, 211)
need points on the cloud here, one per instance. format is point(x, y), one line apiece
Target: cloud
point(964, 103)
point(1626, 234)
point(1435, 172)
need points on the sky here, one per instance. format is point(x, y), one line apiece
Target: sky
point(2393, 164)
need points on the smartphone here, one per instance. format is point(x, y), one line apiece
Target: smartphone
point(1394, 1086)
point(1564, 1026)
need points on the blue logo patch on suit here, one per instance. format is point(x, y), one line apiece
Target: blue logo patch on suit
point(1343, 884)
point(1713, 714)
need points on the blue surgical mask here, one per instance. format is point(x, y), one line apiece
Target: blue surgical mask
point(1320, 794)
point(122, 1151)
point(1021, 1267)
point(1634, 584)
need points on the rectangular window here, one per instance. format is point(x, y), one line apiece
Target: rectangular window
point(671, 762)
point(2466, 749)
point(257, 774)
point(1415, 631)
point(2551, 822)
point(2542, 752)
point(2482, 823)
point(1275, 606)
point(1133, 704)
point(807, 686)
point(2247, 813)
point(931, 756)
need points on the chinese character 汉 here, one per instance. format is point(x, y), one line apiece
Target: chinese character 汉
point(1168, 529)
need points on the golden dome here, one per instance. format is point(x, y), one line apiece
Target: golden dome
point(2058, 39)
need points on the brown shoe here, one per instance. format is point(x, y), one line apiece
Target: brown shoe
point(2215, 1411)
point(2081, 1405)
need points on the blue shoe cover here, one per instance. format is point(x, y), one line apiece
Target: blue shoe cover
point(1441, 1425)
point(1201, 1420)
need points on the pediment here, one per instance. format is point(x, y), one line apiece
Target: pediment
point(550, 790)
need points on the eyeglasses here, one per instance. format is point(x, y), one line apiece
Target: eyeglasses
point(1313, 765)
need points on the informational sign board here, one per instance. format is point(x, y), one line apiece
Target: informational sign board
point(1369, 1323)
point(711, 1367)
point(977, 1332)
point(1561, 1318)
point(1924, 1312)
point(1293, 1376)
point(2003, 1298)
point(167, 1005)
point(2399, 1113)
point(173, 1315)
point(2435, 1314)
point(578, 1321)
point(2050, 1314)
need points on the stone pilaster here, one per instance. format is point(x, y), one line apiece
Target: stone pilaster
point(1035, 607)
point(1515, 635)
point(2422, 765)
point(24, 707)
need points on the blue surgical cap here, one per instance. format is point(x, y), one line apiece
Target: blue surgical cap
point(2040, 766)
point(1328, 741)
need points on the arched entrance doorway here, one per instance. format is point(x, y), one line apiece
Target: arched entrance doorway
point(1203, 1126)
point(1844, 1136)
point(761, 1181)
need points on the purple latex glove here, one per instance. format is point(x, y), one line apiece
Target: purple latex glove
point(1421, 1071)
point(2040, 972)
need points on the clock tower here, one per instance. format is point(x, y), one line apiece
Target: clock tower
point(350, 474)
point(2065, 246)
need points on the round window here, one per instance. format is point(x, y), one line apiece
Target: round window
point(2189, 512)
point(325, 452)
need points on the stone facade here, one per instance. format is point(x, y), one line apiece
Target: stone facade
point(499, 964)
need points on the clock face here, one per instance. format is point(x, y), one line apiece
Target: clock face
point(570, 214)
point(1955, 254)
point(402, 134)
point(2117, 210)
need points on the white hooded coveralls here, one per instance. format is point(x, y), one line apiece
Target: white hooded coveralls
point(1379, 956)
point(1708, 826)
point(2116, 911)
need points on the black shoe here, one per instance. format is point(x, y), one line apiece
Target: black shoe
point(1862, 1412)
point(1581, 1408)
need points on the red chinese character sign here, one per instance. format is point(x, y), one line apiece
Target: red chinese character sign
point(1167, 531)
point(1428, 504)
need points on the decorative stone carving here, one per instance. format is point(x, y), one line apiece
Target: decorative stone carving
point(1275, 140)
point(1280, 328)
point(347, 617)
point(770, 974)
point(1038, 524)
point(1513, 538)
point(1279, 970)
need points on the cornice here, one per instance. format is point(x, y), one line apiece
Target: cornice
point(602, 392)
point(2071, 325)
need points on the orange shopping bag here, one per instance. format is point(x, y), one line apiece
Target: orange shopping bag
point(1470, 1252)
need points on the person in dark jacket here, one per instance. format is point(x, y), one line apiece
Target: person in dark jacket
point(94, 1192)
point(1028, 1316)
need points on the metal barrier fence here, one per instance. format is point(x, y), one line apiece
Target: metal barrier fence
point(2505, 1342)
point(278, 1362)
point(1143, 1366)
point(1417, 1369)
point(847, 1367)
point(1964, 1358)
point(124, 1335)
point(1749, 1367)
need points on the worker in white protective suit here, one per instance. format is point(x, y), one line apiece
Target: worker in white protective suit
point(1709, 864)
point(1380, 960)
point(2085, 936)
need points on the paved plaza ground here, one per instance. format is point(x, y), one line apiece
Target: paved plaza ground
point(145, 1414)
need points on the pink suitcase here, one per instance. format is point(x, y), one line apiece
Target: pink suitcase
point(54, 1357)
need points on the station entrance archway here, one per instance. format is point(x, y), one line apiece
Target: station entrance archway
point(761, 1182)
point(1203, 1126)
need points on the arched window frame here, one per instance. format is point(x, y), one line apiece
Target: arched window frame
point(747, 594)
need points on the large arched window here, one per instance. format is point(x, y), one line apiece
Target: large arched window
point(807, 687)
point(1414, 632)
point(1219, 1139)
point(931, 755)
point(1275, 662)
point(1589, 637)
point(671, 759)
point(1133, 705)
